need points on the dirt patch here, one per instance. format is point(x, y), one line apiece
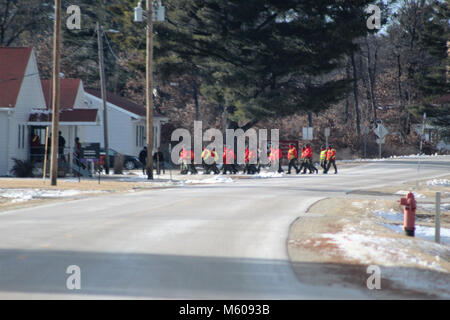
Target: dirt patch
point(335, 242)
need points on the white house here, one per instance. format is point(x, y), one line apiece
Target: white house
point(20, 92)
point(25, 113)
point(126, 123)
point(75, 117)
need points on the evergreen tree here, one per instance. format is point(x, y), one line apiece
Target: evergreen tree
point(434, 83)
point(264, 59)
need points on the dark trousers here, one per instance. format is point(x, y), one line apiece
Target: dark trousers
point(312, 168)
point(250, 169)
point(229, 168)
point(331, 162)
point(210, 167)
point(323, 164)
point(292, 163)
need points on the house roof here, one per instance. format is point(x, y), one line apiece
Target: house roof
point(122, 102)
point(68, 92)
point(13, 64)
point(66, 115)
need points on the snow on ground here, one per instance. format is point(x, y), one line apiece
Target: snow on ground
point(391, 215)
point(213, 180)
point(439, 182)
point(397, 258)
point(373, 249)
point(22, 195)
point(267, 174)
point(431, 207)
point(422, 232)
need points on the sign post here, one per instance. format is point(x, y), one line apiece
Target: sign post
point(327, 134)
point(307, 133)
point(381, 132)
point(90, 152)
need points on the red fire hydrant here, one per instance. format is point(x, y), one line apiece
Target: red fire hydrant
point(409, 213)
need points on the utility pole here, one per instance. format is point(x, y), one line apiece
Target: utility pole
point(103, 90)
point(55, 93)
point(149, 91)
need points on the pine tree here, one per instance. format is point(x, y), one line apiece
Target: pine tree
point(265, 59)
point(434, 84)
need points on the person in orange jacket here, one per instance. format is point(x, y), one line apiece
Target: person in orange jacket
point(228, 161)
point(292, 156)
point(303, 160)
point(331, 159)
point(309, 156)
point(275, 157)
point(250, 168)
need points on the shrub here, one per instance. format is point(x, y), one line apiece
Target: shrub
point(22, 169)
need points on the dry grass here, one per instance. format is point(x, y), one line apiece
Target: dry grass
point(84, 185)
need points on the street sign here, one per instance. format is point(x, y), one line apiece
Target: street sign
point(380, 131)
point(381, 141)
point(327, 132)
point(90, 151)
point(307, 133)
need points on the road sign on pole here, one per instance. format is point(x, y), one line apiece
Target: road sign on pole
point(307, 133)
point(381, 131)
point(327, 134)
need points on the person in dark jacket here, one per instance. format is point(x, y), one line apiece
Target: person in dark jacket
point(143, 159)
point(158, 159)
point(61, 146)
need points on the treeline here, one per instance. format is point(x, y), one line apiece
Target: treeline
point(270, 63)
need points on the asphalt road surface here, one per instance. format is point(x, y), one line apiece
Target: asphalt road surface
point(224, 241)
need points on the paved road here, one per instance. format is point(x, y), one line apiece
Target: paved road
point(204, 241)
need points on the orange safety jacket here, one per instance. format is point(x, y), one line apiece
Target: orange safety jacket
point(292, 153)
point(331, 154)
point(309, 152)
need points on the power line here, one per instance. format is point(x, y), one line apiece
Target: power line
point(20, 78)
point(109, 46)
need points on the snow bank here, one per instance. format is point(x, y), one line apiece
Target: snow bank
point(22, 195)
point(439, 182)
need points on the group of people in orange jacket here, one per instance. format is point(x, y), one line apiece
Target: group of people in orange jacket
point(252, 165)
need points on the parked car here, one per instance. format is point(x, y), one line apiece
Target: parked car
point(129, 163)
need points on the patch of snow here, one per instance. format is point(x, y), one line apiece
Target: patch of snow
point(22, 195)
point(371, 249)
point(432, 207)
point(391, 215)
point(422, 232)
point(214, 180)
point(438, 182)
point(267, 174)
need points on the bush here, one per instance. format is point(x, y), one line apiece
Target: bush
point(22, 169)
point(118, 163)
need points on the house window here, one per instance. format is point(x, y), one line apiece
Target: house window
point(137, 136)
point(21, 137)
point(140, 136)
